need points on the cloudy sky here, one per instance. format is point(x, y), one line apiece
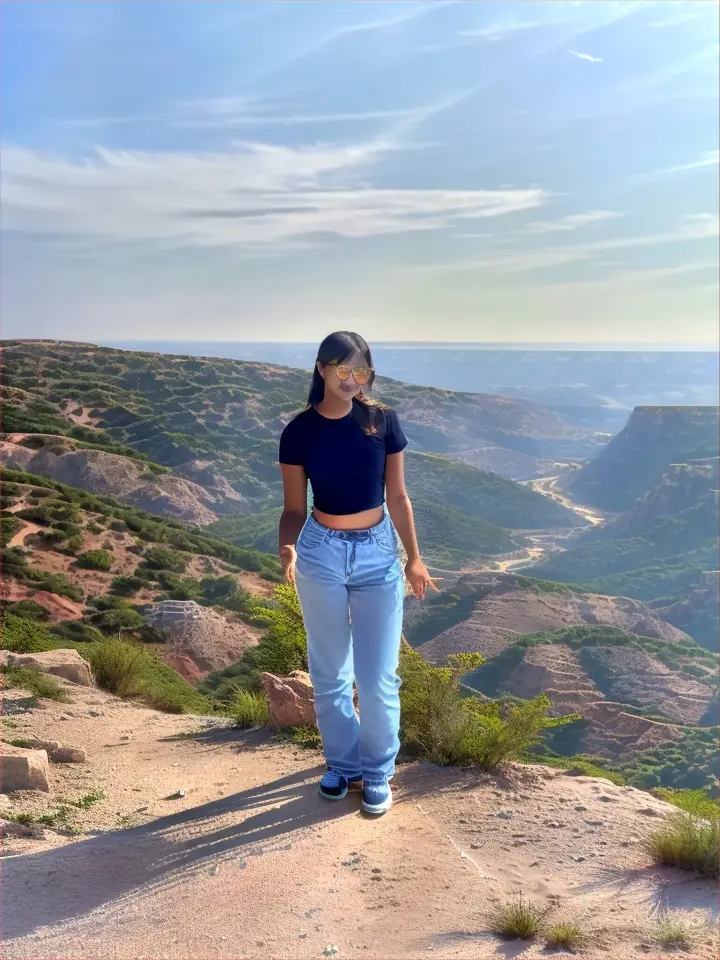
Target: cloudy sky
point(453, 171)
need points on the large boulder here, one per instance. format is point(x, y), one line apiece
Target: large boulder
point(23, 769)
point(290, 699)
point(60, 663)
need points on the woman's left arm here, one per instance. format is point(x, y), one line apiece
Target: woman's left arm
point(401, 514)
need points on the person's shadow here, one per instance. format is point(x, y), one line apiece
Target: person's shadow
point(68, 882)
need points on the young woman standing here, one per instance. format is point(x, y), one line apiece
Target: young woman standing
point(344, 561)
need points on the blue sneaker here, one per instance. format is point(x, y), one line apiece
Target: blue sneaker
point(334, 785)
point(376, 796)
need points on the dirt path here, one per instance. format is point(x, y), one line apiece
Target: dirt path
point(252, 863)
point(548, 487)
point(19, 539)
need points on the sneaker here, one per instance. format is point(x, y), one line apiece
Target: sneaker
point(334, 785)
point(376, 796)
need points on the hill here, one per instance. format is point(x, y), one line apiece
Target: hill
point(85, 566)
point(196, 438)
point(658, 551)
point(636, 459)
point(637, 681)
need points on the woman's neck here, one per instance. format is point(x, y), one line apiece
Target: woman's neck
point(333, 408)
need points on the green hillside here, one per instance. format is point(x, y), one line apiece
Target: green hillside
point(451, 536)
point(215, 421)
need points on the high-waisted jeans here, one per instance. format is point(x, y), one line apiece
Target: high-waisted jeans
point(351, 590)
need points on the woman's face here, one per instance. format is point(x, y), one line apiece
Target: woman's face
point(343, 389)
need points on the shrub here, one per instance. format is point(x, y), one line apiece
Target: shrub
point(95, 560)
point(447, 728)
point(688, 842)
point(674, 929)
point(565, 936)
point(130, 670)
point(120, 618)
point(76, 544)
point(20, 635)
point(519, 920)
point(126, 585)
point(163, 558)
point(9, 526)
point(250, 710)
point(76, 630)
point(29, 610)
point(117, 666)
point(284, 646)
point(695, 802)
point(39, 684)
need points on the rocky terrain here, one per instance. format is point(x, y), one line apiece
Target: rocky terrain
point(508, 463)
point(129, 480)
point(497, 608)
point(183, 836)
point(636, 458)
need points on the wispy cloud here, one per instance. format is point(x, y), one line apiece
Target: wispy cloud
point(256, 194)
point(585, 56)
point(709, 159)
point(573, 221)
point(700, 226)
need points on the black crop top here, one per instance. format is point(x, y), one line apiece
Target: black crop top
point(345, 465)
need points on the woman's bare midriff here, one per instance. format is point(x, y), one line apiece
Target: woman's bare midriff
point(350, 521)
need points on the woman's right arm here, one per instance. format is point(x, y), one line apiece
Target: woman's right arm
point(293, 516)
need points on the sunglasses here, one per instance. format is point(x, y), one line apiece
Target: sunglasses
point(361, 375)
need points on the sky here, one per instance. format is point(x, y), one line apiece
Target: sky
point(417, 171)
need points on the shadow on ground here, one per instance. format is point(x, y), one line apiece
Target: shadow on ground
point(68, 882)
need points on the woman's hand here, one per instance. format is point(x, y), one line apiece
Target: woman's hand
point(288, 559)
point(419, 578)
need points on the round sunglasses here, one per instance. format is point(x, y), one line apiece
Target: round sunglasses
point(361, 375)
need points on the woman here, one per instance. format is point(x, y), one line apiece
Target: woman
point(344, 561)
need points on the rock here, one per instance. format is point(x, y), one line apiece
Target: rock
point(580, 808)
point(504, 815)
point(606, 798)
point(595, 823)
point(475, 846)
point(23, 769)
point(58, 753)
point(59, 663)
point(650, 812)
point(554, 823)
point(290, 699)
point(8, 828)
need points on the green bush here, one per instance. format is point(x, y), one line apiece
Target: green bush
point(76, 630)
point(250, 710)
point(688, 842)
point(118, 667)
point(29, 610)
point(447, 728)
point(39, 684)
point(163, 558)
point(695, 802)
point(126, 585)
point(519, 920)
point(9, 526)
point(120, 618)
point(20, 635)
point(95, 560)
point(284, 646)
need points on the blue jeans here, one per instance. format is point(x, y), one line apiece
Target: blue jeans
point(351, 590)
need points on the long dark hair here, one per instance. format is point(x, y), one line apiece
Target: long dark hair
point(336, 348)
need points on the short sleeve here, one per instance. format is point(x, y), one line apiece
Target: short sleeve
point(395, 439)
point(290, 445)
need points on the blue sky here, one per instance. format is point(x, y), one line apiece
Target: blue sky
point(510, 171)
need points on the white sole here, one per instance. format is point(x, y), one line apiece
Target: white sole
point(376, 810)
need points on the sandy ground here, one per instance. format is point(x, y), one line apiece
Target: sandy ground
point(252, 863)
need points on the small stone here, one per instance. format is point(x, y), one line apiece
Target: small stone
point(606, 798)
point(650, 812)
point(555, 824)
point(376, 870)
point(578, 859)
point(462, 820)
point(95, 713)
point(580, 808)
point(474, 846)
point(595, 823)
point(215, 870)
point(504, 815)
point(535, 863)
point(125, 737)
